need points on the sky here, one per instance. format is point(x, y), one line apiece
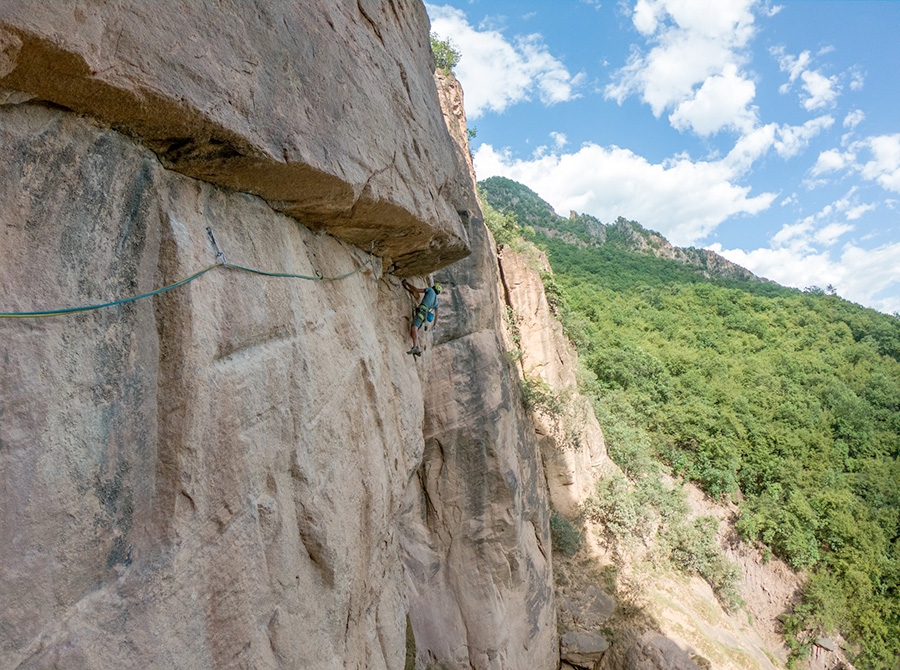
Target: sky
point(768, 132)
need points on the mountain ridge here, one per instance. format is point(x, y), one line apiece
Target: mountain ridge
point(585, 230)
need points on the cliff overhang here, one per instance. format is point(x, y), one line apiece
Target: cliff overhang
point(267, 100)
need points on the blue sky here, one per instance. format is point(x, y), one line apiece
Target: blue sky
point(766, 131)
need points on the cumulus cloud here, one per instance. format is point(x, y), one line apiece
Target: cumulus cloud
point(805, 253)
point(611, 182)
point(832, 160)
point(694, 65)
point(829, 235)
point(884, 166)
point(854, 118)
point(876, 158)
point(497, 72)
point(820, 91)
point(722, 101)
point(794, 139)
point(559, 139)
point(793, 65)
point(787, 140)
point(859, 274)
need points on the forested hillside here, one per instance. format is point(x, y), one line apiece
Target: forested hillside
point(787, 401)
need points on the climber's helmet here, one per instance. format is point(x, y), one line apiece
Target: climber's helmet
point(437, 288)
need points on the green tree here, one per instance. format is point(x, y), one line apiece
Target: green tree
point(446, 55)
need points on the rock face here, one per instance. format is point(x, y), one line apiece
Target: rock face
point(476, 539)
point(572, 444)
point(324, 109)
point(210, 478)
point(247, 471)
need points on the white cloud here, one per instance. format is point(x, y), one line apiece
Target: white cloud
point(854, 118)
point(684, 200)
point(793, 65)
point(855, 213)
point(803, 254)
point(750, 147)
point(788, 141)
point(694, 66)
point(794, 139)
point(830, 234)
point(831, 161)
point(559, 139)
point(497, 73)
point(823, 228)
point(861, 275)
point(821, 91)
point(723, 101)
point(883, 166)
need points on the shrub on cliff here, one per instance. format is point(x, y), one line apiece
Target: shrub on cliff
point(566, 538)
point(446, 56)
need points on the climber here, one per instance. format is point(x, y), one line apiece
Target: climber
point(426, 312)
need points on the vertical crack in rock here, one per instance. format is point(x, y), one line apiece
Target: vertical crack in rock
point(173, 498)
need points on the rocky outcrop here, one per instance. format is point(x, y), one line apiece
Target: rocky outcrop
point(572, 445)
point(326, 110)
point(247, 471)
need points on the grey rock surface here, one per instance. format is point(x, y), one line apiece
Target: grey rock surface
point(583, 648)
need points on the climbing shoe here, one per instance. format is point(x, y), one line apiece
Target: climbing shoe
point(415, 351)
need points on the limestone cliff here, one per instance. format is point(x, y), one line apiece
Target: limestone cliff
point(247, 471)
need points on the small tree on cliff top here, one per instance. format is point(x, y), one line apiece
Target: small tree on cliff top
point(446, 56)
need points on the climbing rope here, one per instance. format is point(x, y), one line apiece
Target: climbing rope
point(87, 308)
point(289, 275)
point(220, 262)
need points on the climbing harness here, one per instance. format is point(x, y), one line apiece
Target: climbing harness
point(426, 314)
point(220, 262)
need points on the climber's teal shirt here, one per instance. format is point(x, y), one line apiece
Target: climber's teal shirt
point(425, 310)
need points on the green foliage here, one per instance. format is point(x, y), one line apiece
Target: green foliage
point(566, 538)
point(615, 505)
point(512, 327)
point(506, 195)
point(788, 400)
point(538, 396)
point(504, 227)
point(446, 55)
point(694, 550)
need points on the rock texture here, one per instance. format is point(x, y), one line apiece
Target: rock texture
point(210, 478)
point(572, 445)
point(247, 471)
point(324, 109)
point(476, 539)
